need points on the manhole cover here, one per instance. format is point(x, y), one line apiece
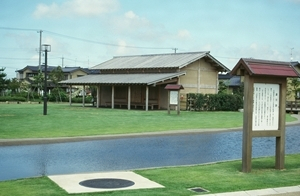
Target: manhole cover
point(198, 190)
point(106, 183)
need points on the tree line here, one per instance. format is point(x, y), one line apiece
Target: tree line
point(20, 90)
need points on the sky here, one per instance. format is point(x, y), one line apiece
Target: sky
point(84, 33)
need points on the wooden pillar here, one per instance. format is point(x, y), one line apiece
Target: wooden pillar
point(168, 102)
point(83, 96)
point(129, 98)
point(178, 104)
point(70, 95)
point(247, 125)
point(217, 84)
point(112, 97)
point(199, 78)
point(98, 96)
point(280, 141)
point(147, 97)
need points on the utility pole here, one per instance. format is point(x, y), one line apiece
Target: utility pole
point(175, 49)
point(40, 50)
point(292, 54)
point(62, 61)
point(40, 54)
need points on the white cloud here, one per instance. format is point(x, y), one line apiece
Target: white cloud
point(183, 34)
point(76, 8)
point(133, 21)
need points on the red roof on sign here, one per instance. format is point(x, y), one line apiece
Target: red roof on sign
point(264, 67)
point(174, 87)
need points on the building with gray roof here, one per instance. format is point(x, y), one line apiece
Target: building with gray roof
point(139, 80)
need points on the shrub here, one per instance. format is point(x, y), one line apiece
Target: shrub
point(215, 102)
point(3, 99)
point(79, 99)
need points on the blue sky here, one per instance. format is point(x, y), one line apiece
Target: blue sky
point(88, 32)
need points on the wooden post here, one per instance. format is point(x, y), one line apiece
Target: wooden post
point(70, 95)
point(280, 141)
point(168, 102)
point(129, 98)
point(98, 96)
point(247, 125)
point(112, 97)
point(178, 104)
point(147, 97)
point(83, 96)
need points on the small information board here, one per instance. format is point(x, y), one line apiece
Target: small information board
point(174, 97)
point(265, 106)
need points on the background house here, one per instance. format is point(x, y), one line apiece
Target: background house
point(28, 73)
point(233, 83)
point(139, 81)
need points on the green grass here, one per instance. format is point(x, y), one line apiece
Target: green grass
point(28, 121)
point(218, 177)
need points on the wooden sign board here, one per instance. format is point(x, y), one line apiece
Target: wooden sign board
point(264, 104)
point(173, 96)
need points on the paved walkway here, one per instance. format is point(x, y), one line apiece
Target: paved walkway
point(281, 191)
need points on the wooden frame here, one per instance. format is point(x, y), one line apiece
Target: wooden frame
point(249, 133)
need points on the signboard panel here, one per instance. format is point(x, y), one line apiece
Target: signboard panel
point(265, 106)
point(174, 97)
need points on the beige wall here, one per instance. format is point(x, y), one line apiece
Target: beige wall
point(75, 74)
point(200, 77)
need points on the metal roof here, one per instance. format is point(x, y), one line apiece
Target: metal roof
point(138, 79)
point(235, 81)
point(265, 67)
point(156, 61)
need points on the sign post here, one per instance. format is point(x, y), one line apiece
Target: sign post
point(264, 105)
point(173, 96)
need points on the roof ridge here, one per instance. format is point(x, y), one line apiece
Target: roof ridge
point(265, 61)
point(162, 54)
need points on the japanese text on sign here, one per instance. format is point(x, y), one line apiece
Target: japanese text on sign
point(173, 97)
point(265, 106)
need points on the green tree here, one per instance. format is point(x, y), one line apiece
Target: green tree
point(222, 87)
point(293, 87)
point(239, 90)
point(56, 76)
point(3, 81)
point(38, 81)
point(14, 85)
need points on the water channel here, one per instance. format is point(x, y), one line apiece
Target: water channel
point(133, 153)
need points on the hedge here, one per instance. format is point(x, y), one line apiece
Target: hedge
point(79, 100)
point(4, 99)
point(214, 102)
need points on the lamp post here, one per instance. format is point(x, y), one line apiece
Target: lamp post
point(46, 48)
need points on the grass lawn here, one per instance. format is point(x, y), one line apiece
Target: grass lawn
point(218, 177)
point(27, 121)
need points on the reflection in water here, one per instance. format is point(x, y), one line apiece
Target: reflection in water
point(126, 154)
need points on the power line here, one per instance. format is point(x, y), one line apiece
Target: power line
point(103, 43)
point(9, 58)
point(18, 29)
point(86, 40)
